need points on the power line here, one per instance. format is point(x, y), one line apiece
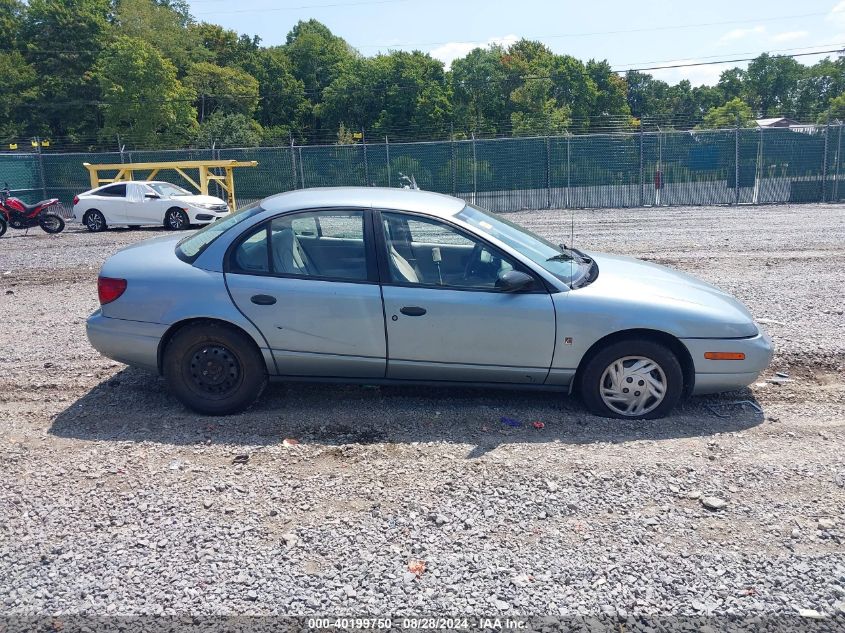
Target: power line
point(311, 6)
point(618, 31)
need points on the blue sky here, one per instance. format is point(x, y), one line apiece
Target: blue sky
point(625, 33)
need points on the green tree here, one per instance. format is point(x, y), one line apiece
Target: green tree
point(20, 87)
point(11, 16)
point(835, 110)
point(282, 96)
point(734, 112)
point(732, 83)
point(164, 28)
point(229, 130)
point(224, 90)
point(546, 87)
point(821, 83)
point(480, 98)
point(143, 100)
point(771, 84)
point(610, 107)
point(403, 95)
point(67, 90)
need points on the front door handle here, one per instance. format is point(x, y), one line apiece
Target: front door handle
point(263, 300)
point(412, 311)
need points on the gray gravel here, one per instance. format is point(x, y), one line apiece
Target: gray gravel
point(117, 500)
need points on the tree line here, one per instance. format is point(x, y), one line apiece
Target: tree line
point(144, 73)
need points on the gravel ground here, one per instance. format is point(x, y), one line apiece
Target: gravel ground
point(117, 500)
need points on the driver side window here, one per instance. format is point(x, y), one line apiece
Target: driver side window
point(431, 253)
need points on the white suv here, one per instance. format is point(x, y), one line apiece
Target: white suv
point(136, 203)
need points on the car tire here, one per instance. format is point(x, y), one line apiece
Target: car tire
point(95, 221)
point(632, 379)
point(134, 227)
point(3, 227)
point(214, 369)
point(176, 219)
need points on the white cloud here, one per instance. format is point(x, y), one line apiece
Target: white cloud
point(741, 34)
point(447, 53)
point(837, 14)
point(789, 36)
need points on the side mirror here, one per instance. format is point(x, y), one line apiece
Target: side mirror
point(152, 196)
point(513, 281)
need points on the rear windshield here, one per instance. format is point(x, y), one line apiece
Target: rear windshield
point(192, 246)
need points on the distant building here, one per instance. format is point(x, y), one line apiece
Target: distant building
point(776, 122)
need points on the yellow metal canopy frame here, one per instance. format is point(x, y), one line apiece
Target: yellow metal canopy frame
point(126, 171)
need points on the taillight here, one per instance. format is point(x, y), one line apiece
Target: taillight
point(75, 200)
point(110, 289)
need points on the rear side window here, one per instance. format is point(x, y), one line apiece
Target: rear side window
point(113, 191)
point(192, 246)
point(252, 255)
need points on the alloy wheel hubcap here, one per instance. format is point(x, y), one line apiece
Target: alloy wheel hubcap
point(175, 220)
point(94, 221)
point(633, 386)
point(215, 370)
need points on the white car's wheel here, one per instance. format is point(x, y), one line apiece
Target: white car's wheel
point(95, 221)
point(176, 219)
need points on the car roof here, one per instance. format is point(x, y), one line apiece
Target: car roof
point(435, 204)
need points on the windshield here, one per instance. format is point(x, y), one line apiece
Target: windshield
point(166, 190)
point(569, 265)
point(192, 246)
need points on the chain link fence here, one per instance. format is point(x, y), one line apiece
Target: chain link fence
point(697, 167)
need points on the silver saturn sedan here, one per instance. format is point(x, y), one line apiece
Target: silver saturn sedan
point(399, 286)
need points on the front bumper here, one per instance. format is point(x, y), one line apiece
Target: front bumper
point(205, 216)
point(714, 376)
point(131, 342)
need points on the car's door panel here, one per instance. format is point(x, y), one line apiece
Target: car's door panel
point(317, 303)
point(469, 335)
point(111, 202)
point(446, 317)
point(316, 328)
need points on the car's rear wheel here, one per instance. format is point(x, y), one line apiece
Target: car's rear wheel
point(95, 221)
point(176, 219)
point(634, 379)
point(214, 369)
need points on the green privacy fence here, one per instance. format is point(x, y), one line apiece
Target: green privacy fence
point(769, 165)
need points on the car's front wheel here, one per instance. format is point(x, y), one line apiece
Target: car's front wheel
point(214, 369)
point(635, 379)
point(176, 219)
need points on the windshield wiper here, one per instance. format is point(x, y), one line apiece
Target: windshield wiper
point(569, 255)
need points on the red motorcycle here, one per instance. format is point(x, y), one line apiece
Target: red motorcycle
point(20, 215)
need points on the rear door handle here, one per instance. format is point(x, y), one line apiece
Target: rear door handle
point(263, 300)
point(412, 311)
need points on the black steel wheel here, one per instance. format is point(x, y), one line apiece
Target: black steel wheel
point(214, 369)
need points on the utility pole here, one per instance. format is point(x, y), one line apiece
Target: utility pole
point(41, 168)
point(366, 164)
point(824, 162)
point(736, 162)
point(475, 171)
point(293, 163)
point(387, 157)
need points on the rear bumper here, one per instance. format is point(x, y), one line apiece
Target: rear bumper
point(131, 342)
point(714, 376)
